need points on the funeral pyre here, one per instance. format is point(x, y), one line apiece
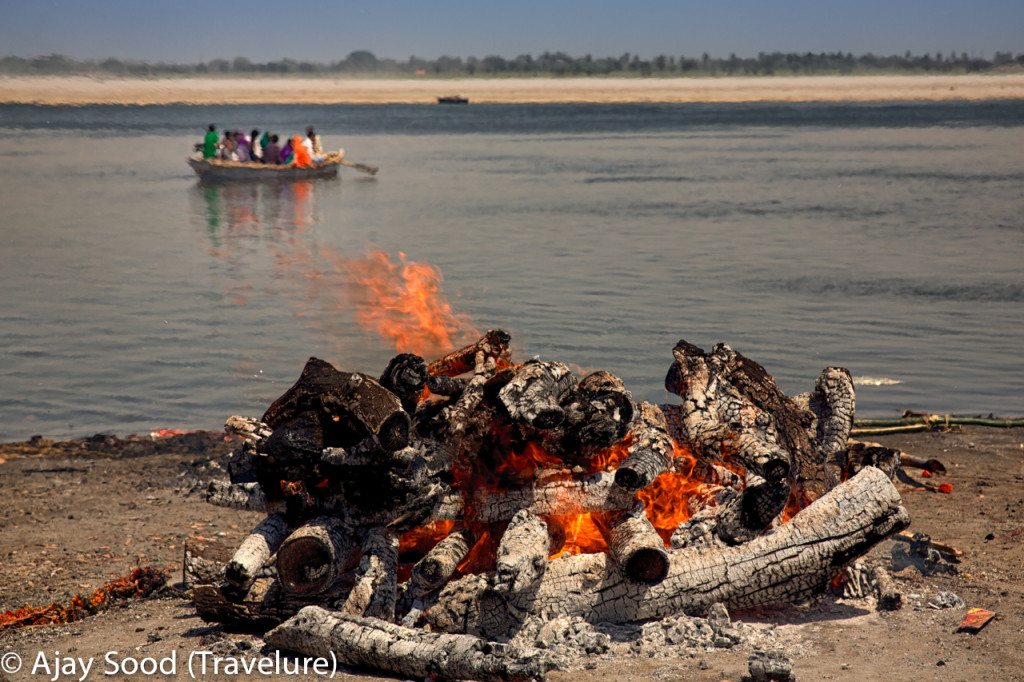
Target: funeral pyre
point(418, 521)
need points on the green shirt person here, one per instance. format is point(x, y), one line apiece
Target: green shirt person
point(210, 143)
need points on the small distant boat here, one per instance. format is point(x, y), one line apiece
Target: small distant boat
point(215, 169)
point(453, 99)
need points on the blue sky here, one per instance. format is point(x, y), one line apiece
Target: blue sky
point(322, 30)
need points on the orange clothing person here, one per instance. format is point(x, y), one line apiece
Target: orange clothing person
point(302, 157)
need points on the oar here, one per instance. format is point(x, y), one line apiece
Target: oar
point(362, 167)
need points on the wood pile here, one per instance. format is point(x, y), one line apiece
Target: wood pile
point(430, 511)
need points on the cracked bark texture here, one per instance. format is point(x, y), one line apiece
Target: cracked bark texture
point(789, 564)
point(534, 396)
point(522, 558)
point(310, 560)
point(254, 552)
point(406, 652)
point(376, 590)
point(650, 453)
point(636, 547)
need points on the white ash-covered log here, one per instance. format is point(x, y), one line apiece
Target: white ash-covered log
point(788, 565)
point(650, 453)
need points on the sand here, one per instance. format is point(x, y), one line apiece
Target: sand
point(80, 90)
point(74, 515)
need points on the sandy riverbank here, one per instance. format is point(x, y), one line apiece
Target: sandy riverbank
point(77, 514)
point(269, 90)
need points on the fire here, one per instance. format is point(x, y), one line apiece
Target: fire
point(528, 461)
point(583, 533)
point(422, 539)
point(403, 302)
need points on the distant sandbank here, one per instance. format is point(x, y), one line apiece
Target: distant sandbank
point(80, 90)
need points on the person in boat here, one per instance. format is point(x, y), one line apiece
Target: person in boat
point(227, 147)
point(255, 148)
point(303, 159)
point(271, 152)
point(287, 154)
point(243, 152)
point(210, 142)
point(264, 141)
point(312, 143)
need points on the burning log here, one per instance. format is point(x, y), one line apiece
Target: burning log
point(791, 563)
point(405, 376)
point(521, 561)
point(310, 560)
point(651, 451)
point(406, 652)
point(493, 344)
point(535, 394)
point(254, 553)
point(457, 416)
point(596, 492)
point(446, 386)
point(432, 571)
point(637, 548)
point(375, 591)
point(349, 406)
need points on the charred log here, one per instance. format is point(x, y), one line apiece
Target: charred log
point(860, 455)
point(250, 429)
point(349, 406)
point(521, 560)
point(310, 560)
point(651, 451)
point(435, 569)
point(719, 420)
point(598, 417)
point(246, 496)
point(493, 344)
point(535, 394)
point(405, 376)
point(637, 548)
point(406, 652)
point(375, 591)
point(793, 562)
point(254, 552)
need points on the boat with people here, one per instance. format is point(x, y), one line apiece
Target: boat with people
point(453, 99)
point(217, 169)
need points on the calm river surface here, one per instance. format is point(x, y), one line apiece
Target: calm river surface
point(886, 239)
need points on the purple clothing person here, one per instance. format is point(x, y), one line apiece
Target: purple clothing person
point(243, 149)
point(287, 152)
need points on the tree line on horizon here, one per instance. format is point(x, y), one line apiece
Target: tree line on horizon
point(364, 62)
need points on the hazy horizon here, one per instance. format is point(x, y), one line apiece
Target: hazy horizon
point(321, 31)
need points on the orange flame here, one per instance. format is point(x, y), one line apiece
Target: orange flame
point(422, 539)
point(403, 303)
point(583, 533)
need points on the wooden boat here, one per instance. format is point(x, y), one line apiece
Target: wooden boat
point(215, 169)
point(453, 99)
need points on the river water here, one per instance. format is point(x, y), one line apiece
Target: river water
point(886, 239)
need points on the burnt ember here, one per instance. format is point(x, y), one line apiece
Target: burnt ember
point(473, 494)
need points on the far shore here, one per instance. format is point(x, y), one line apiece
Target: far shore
point(82, 90)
